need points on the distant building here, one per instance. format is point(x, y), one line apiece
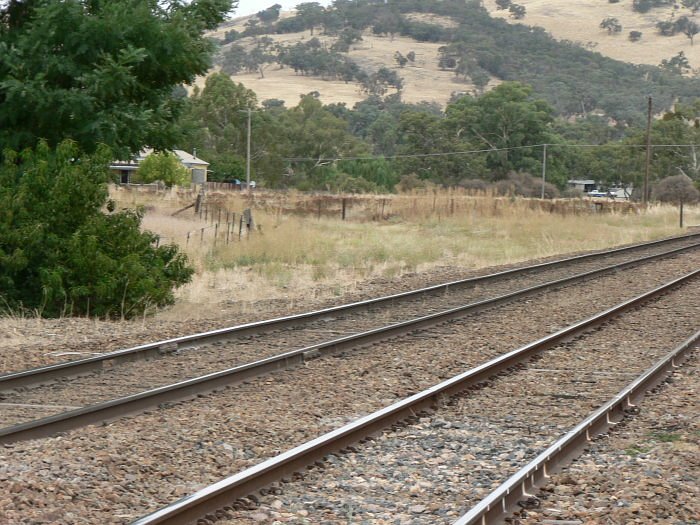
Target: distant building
point(198, 167)
point(585, 185)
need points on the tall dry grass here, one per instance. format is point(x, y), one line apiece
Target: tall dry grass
point(303, 249)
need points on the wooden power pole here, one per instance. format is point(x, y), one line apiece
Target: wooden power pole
point(647, 167)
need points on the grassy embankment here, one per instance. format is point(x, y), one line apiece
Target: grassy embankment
point(297, 255)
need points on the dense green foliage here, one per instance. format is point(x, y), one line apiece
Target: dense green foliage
point(83, 82)
point(99, 72)
point(163, 167)
point(61, 255)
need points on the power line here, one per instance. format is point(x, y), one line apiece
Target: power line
point(488, 150)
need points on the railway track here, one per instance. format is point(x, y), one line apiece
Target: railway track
point(91, 399)
point(445, 452)
point(396, 307)
point(114, 473)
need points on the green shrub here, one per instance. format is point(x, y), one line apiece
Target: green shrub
point(61, 254)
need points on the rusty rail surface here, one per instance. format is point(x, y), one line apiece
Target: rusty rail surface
point(78, 367)
point(495, 507)
point(225, 492)
point(135, 403)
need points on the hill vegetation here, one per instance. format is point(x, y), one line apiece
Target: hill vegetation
point(476, 47)
point(590, 110)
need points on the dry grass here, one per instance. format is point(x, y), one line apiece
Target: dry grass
point(578, 22)
point(423, 79)
point(564, 20)
point(298, 256)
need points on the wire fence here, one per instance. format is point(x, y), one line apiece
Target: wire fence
point(221, 228)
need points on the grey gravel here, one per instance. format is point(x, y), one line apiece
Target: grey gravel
point(117, 472)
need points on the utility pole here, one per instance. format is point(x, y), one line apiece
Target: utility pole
point(647, 170)
point(544, 168)
point(247, 157)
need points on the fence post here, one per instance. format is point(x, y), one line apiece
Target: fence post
point(206, 212)
point(219, 219)
point(344, 204)
point(319, 209)
point(216, 232)
point(228, 231)
point(187, 243)
point(240, 227)
point(201, 236)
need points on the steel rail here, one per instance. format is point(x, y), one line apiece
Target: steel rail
point(225, 492)
point(500, 503)
point(135, 403)
point(77, 367)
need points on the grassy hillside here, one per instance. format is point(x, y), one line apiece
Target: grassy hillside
point(423, 79)
point(484, 49)
point(579, 22)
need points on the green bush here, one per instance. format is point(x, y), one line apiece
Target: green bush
point(61, 254)
point(164, 167)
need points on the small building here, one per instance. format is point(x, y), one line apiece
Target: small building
point(584, 185)
point(198, 167)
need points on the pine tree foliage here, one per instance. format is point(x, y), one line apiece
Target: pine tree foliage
point(60, 254)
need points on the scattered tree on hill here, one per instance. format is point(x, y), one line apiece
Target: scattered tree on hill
point(644, 6)
point(517, 11)
point(693, 5)
point(611, 25)
point(233, 59)
point(260, 56)
point(378, 83)
point(677, 64)
point(346, 38)
point(411, 56)
point(387, 24)
point(635, 36)
point(400, 59)
point(666, 27)
point(269, 15)
point(503, 4)
point(311, 14)
point(688, 27)
point(231, 36)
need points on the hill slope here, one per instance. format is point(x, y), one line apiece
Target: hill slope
point(458, 46)
point(579, 22)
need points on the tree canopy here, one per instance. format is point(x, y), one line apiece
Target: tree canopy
point(83, 82)
point(99, 72)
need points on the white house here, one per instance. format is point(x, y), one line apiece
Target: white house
point(198, 167)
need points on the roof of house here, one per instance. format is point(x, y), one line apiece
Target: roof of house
point(185, 158)
point(188, 158)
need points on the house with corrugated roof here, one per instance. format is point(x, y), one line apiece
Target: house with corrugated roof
point(197, 167)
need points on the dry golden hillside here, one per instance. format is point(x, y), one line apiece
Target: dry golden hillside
point(579, 22)
point(564, 20)
point(423, 80)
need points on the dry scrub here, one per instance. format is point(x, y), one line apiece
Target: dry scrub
point(301, 249)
